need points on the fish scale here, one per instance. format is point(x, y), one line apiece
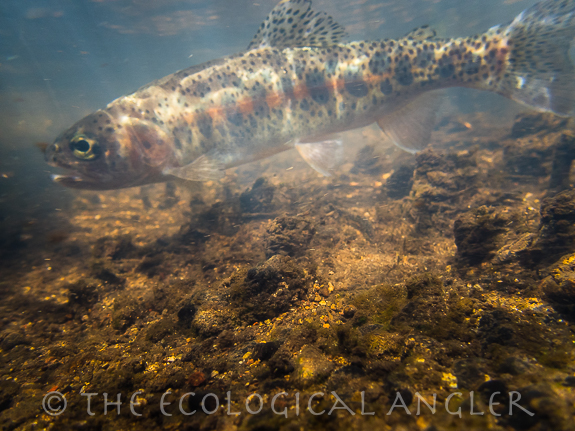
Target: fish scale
point(302, 96)
point(299, 85)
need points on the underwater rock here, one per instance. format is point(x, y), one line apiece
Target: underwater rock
point(152, 265)
point(82, 293)
point(8, 390)
point(498, 326)
point(556, 235)
point(559, 284)
point(349, 311)
point(476, 234)
point(425, 285)
point(436, 311)
point(191, 236)
point(186, 312)
point(547, 410)
point(423, 309)
point(159, 330)
point(210, 320)
point(222, 217)
point(264, 351)
point(289, 235)
point(366, 162)
point(267, 290)
point(528, 158)
point(532, 123)
point(104, 271)
point(280, 364)
point(259, 198)
point(564, 154)
point(114, 248)
point(173, 377)
point(11, 339)
point(126, 312)
point(311, 366)
point(470, 373)
point(440, 184)
point(515, 366)
point(399, 184)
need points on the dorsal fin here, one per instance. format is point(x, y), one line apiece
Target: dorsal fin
point(424, 32)
point(293, 23)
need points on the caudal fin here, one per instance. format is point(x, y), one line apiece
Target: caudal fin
point(539, 72)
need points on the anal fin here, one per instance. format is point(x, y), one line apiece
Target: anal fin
point(410, 126)
point(323, 156)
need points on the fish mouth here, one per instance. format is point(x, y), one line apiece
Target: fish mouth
point(76, 181)
point(70, 180)
point(66, 179)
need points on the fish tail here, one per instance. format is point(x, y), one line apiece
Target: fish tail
point(537, 69)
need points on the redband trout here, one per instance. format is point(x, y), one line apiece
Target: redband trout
point(298, 84)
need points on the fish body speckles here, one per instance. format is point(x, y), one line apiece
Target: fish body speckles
point(294, 88)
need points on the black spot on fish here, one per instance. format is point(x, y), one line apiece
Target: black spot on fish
point(386, 87)
point(261, 108)
point(331, 65)
point(472, 67)
point(354, 84)
point(178, 144)
point(316, 87)
point(377, 64)
point(446, 70)
point(423, 59)
point(235, 117)
point(304, 105)
point(403, 75)
point(204, 123)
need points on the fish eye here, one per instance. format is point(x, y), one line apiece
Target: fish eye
point(84, 148)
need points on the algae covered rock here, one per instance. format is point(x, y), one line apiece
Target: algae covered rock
point(289, 235)
point(400, 182)
point(559, 285)
point(311, 366)
point(476, 234)
point(259, 198)
point(557, 230)
point(267, 290)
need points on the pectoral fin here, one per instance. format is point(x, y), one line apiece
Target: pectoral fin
point(210, 166)
point(323, 156)
point(410, 127)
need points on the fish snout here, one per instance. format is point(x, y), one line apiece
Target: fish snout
point(50, 154)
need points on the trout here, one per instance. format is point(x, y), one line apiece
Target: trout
point(298, 84)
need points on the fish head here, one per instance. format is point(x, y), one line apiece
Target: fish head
point(101, 152)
